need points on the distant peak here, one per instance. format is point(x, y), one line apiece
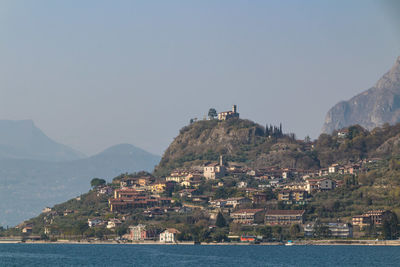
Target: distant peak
point(391, 80)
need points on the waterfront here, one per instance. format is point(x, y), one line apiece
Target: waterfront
point(178, 255)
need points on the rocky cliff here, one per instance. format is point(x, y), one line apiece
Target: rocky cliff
point(372, 108)
point(238, 140)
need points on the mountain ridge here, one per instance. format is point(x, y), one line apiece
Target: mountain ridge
point(21, 139)
point(371, 108)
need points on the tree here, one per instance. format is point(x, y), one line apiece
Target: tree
point(221, 222)
point(121, 230)
point(294, 230)
point(390, 226)
point(266, 232)
point(321, 230)
point(81, 227)
point(212, 113)
point(97, 182)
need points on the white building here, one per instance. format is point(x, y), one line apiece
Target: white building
point(333, 168)
point(112, 223)
point(93, 222)
point(214, 170)
point(319, 185)
point(169, 236)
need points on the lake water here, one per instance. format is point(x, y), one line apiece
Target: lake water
point(187, 255)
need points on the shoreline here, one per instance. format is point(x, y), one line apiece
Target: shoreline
point(295, 243)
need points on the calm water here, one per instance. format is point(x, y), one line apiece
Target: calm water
point(181, 255)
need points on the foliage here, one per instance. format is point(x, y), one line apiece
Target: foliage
point(220, 222)
point(97, 182)
point(212, 113)
point(390, 226)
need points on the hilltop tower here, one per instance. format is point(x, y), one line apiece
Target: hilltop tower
point(234, 109)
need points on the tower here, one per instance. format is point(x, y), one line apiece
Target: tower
point(234, 109)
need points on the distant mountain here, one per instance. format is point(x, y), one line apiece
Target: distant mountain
point(372, 108)
point(27, 186)
point(23, 140)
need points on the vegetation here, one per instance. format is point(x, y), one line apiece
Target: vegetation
point(97, 182)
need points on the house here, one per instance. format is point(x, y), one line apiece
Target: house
point(95, 221)
point(248, 216)
point(105, 190)
point(334, 168)
point(141, 233)
point(343, 133)
point(46, 210)
point(319, 185)
point(154, 211)
point(282, 217)
point(67, 212)
point(214, 170)
point(113, 223)
point(242, 184)
point(338, 230)
point(135, 181)
point(187, 193)
point(222, 116)
point(27, 230)
point(169, 235)
point(158, 187)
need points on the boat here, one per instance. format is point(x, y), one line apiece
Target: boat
point(289, 243)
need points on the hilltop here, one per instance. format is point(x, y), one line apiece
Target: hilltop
point(371, 108)
point(237, 140)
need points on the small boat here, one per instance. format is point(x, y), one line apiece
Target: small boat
point(289, 243)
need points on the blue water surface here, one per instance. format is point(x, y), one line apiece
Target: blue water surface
point(187, 255)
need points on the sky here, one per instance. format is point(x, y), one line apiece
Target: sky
point(95, 73)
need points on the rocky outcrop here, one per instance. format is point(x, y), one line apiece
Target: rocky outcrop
point(238, 141)
point(372, 108)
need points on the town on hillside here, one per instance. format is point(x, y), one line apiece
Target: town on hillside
point(218, 201)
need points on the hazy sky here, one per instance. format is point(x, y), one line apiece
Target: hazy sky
point(92, 74)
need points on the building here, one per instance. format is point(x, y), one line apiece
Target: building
point(214, 170)
point(361, 221)
point(27, 230)
point(113, 223)
point(158, 187)
point(259, 198)
point(313, 185)
point(248, 216)
point(343, 133)
point(46, 210)
point(141, 233)
point(222, 116)
point(95, 221)
point(248, 238)
point(169, 235)
point(338, 230)
point(282, 217)
point(293, 196)
point(334, 168)
point(370, 217)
